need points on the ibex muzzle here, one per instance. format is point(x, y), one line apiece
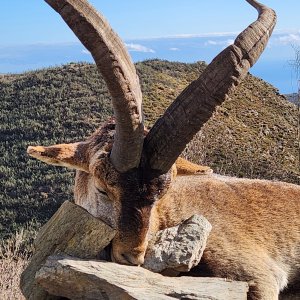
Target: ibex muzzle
point(136, 182)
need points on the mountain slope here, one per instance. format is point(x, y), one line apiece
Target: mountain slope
point(254, 134)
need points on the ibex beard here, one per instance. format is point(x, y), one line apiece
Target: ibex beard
point(137, 184)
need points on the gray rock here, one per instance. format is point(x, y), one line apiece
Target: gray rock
point(87, 279)
point(71, 230)
point(178, 248)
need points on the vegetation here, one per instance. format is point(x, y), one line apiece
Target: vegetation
point(254, 134)
point(14, 255)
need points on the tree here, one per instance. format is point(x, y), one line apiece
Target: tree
point(295, 63)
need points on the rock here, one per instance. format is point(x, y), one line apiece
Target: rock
point(71, 230)
point(180, 248)
point(87, 279)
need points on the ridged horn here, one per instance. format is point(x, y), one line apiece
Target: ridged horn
point(119, 73)
point(196, 104)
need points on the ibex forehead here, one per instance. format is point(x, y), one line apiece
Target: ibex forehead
point(137, 184)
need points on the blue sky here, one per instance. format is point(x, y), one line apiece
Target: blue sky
point(34, 36)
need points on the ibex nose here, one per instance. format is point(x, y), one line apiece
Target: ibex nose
point(35, 150)
point(133, 259)
point(128, 258)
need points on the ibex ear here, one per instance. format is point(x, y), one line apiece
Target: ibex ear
point(73, 156)
point(185, 167)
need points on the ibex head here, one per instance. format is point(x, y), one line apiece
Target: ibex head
point(121, 171)
point(122, 199)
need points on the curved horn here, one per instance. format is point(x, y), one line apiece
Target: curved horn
point(196, 104)
point(119, 73)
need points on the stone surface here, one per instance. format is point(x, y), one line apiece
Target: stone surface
point(87, 279)
point(178, 248)
point(71, 230)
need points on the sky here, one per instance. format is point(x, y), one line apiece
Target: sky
point(34, 36)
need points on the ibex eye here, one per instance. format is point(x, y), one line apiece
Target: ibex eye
point(101, 192)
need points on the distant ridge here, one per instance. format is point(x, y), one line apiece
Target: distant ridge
point(293, 98)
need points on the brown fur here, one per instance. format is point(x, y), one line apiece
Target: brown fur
point(185, 167)
point(256, 224)
point(256, 228)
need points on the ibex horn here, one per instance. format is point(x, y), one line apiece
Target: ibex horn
point(196, 104)
point(119, 73)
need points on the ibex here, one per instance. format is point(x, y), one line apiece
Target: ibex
point(130, 178)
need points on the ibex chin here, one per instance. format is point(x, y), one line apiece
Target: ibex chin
point(134, 180)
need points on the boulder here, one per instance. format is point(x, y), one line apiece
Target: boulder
point(178, 249)
point(75, 278)
point(72, 231)
point(66, 263)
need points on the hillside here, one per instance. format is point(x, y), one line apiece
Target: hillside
point(254, 134)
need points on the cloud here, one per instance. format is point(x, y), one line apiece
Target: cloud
point(139, 48)
point(191, 35)
point(8, 55)
point(280, 32)
point(84, 51)
point(174, 49)
point(209, 34)
point(229, 34)
point(288, 39)
point(219, 43)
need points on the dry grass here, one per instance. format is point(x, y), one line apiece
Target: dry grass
point(13, 258)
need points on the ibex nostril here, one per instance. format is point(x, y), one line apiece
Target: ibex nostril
point(131, 259)
point(126, 257)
